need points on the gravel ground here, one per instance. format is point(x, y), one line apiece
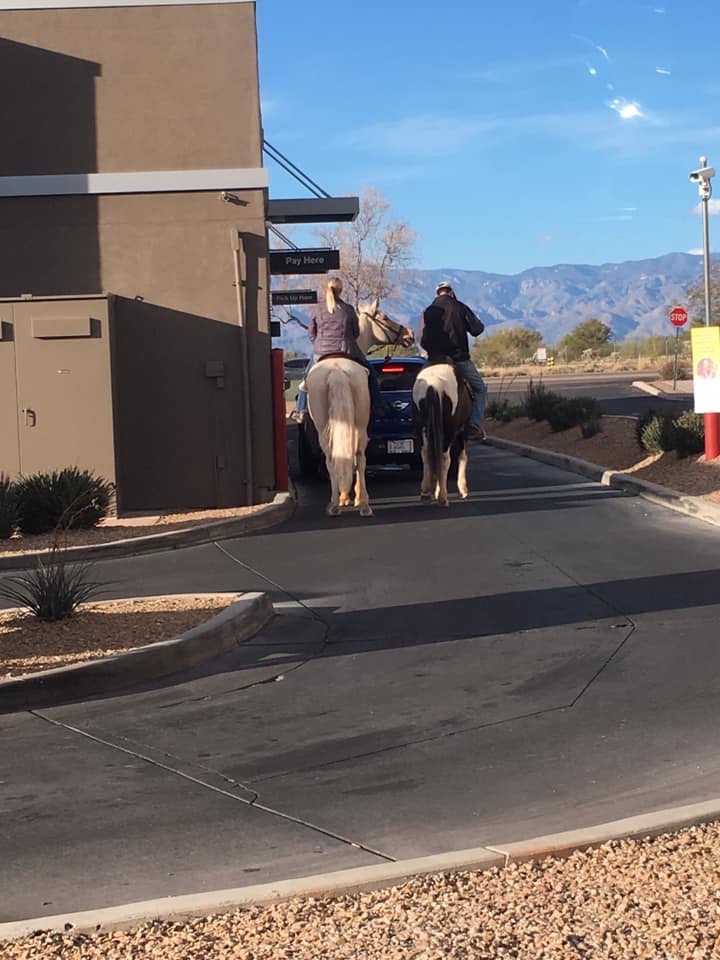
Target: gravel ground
point(98, 630)
point(629, 900)
point(114, 529)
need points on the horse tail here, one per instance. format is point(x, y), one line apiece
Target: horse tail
point(340, 430)
point(434, 428)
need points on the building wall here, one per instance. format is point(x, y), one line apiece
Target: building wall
point(148, 88)
point(144, 88)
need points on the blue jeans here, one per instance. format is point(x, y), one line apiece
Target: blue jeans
point(468, 369)
point(375, 395)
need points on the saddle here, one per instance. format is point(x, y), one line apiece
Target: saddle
point(461, 381)
point(341, 356)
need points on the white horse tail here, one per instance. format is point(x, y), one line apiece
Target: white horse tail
point(434, 428)
point(340, 432)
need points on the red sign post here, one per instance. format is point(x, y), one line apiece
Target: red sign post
point(678, 318)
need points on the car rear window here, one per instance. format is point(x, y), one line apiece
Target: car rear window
point(397, 376)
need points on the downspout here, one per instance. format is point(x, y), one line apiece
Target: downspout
point(238, 249)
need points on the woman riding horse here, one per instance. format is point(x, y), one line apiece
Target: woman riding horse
point(334, 330)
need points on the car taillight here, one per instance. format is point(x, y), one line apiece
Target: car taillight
point(392, 369)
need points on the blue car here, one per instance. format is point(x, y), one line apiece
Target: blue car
point(392, 441)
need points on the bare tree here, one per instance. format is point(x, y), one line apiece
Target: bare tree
point(371, 247)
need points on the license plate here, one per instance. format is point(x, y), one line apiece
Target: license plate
point(401, 446)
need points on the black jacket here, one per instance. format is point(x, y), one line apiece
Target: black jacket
point(445, 327)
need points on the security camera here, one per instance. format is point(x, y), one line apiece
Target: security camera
point(704, 173)
point(226, 197)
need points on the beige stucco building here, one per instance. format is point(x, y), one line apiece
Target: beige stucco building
point(134, 310)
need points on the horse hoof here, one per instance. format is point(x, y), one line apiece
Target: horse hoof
point(425, 497)
point(464, 496)
point(366, 512)
point(442, 503)
point(333, 511)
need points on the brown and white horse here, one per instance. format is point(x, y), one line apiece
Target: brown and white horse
point(442, 406)
point(339, 404)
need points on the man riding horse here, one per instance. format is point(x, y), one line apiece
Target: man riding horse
point(445, 326)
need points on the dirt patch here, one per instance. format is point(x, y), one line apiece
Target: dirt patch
point(617, 448)
point(109, 530)
point(98, 630)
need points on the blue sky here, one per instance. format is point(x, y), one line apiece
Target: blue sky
point(508, 135)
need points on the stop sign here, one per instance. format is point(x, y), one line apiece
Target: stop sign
point(678, 316)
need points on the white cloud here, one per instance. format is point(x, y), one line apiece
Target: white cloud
point(429, 135)
point(713, 208)
point(270, 105)
point(419, 137)
point(511, 70)
point(663, 71)
point(626, 109)
point(697, 251)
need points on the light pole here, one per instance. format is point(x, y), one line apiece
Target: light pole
point(703, 178)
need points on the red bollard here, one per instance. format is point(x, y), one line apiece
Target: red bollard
point(282, 465)
point(712, 436)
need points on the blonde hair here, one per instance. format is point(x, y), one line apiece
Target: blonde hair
point(334, 289)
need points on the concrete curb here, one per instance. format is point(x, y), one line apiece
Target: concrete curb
point(280, 509)
point(236, 623)
point(364, 879)
point(695, 507)
point(657, 392)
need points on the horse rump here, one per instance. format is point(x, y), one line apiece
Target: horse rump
point(435, 420)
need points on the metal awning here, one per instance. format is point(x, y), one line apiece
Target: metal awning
point(313, 210)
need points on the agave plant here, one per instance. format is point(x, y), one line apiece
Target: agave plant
point(53, 590)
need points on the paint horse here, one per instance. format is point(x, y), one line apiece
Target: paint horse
point(339, 405)
point(442, 404)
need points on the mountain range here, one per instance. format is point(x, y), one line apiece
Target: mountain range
point(634, 298)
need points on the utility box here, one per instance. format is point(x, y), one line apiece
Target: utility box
point(130, 390)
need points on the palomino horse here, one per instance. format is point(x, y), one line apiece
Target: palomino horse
point(442, 406)
point(339, 404)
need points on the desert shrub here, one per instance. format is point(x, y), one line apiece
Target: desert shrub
point(667, 413)
point(539, 401)
point(8, 507)
point(62, 500)
point(658, 433)
point(590, 427)
point(667, 370)
point(572, 411)
point(689, 433)
point(504, 411)
point(493, 408)
point(53, 590)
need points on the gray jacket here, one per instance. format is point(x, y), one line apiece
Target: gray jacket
point(335, 332)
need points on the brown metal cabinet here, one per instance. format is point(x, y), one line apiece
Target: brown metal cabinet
point(147, 397)
point(64, 401)
point(9, 440)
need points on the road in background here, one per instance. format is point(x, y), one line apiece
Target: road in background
point(614, 391)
